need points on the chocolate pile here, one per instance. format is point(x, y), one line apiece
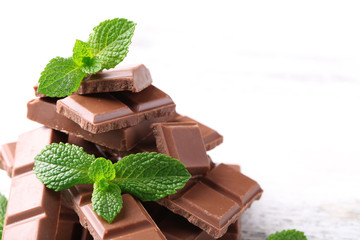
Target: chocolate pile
point(113, 114)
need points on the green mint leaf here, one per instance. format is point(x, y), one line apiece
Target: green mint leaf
point(91, 65)
point(81, 50)
point(106, 202)
point(110, 41)
point(102, 168)
point(150, 176)
point(61, 166)
point(84, 58)
point(287, 235)
point(3, 204)
point(60, 77)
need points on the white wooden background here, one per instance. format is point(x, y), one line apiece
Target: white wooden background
point(279, 79)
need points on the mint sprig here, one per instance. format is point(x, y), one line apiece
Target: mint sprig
point(3, 204)
point(147, 176)
point(287, 235)
point(107, 46)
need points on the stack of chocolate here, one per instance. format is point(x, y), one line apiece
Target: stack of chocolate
point(113, 114)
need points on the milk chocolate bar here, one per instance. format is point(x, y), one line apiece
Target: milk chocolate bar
point(183, 141)
point(133, 222)
point(98, 113)
point(68, 224)
point(211, 137)
point(32, 210)
point(175, 227)
point(215, 202)
point(43, 110)
point(31, 144)
point(7, 157)
point(132, 78)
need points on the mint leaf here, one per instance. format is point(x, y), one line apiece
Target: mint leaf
point(287, 235)
point(107, 202)
point(60, 77)
point(102, 168)
point(84, 58)
point(91, 65)
point(81, 50)
point(61, 166)
point(3, 204)
point(110, 41)
point(150, 176)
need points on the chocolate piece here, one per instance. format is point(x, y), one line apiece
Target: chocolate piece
point(211, 137)
point(25, 154)
point(133, 222)
point(229, 181)
point(132, 78)
point(217, 201)
point(32, 210)
point(98, 113)
point(7, 157)
point(234, 231)
point(69, 226)
point(44, 111)
point(183, 141)
point(175, 227)
point(235, 167)
point(88, 147)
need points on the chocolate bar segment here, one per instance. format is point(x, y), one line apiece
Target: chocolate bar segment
point(98, 113)
point(29, 198)
point(183, 141)
point(229, 181)
point(68, 225)
point(175, 227)
point(211, 137)
point(43, 110)
point(209, 204)
point(133, 222)
point(132, 78)
point(25, 154)
point(7, 157)
point(32, 210)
